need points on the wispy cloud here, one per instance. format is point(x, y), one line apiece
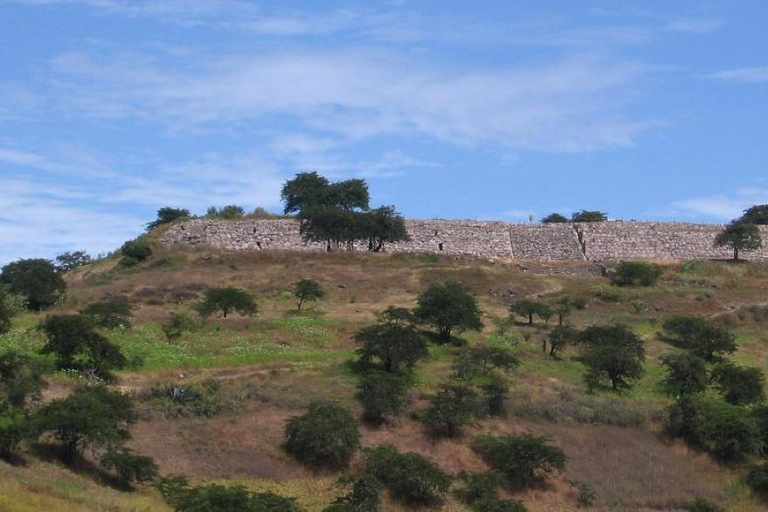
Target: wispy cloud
point(722, 207)
point(694, 25)
point(742, 75)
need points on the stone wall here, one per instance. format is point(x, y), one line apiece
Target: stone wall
point(604, 241)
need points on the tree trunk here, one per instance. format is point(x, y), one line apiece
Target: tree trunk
point(544, 345)
point(301, 299)
point(736, 254)
point(530, 318)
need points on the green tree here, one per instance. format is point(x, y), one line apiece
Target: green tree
point(700, 336)
point(229, 212)
point(135, 251)
point(685, 374)
point(21, 380)
point(305, 190)
point(128, 466)
point(166, 215)
point(482, 360)
point(307, 290)
point(589, 216)
point(613, 352)
point(453, 407)
point(71, 260)
point(560, 337)
point(396, 315)
point(110, 313)
point(448, 307)
point(554, 218)
point(383, 225)
point(35, 279)
point(636, 273)
point(739, 236)
point(757, 215)
point(215, 498)
point(227, 300)
point(93, 416)
point(364, 497)
point(739, 385)
point(495, 392)
point(382, 394)
point(325, 436)
point(524, 460)
point(75, 343)
point(527, 308)
point(394, 346)
point(410, 478)
point(338, 228)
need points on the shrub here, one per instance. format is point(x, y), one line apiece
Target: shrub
point(495, 392)
point(394, 346)
point(494, 504)
point(453, 407)
point(226, 300)
point(15, 427)
point(479, 485)
point(587, 494)
point(35, 279)
point(94, 416)
point(307, 290)
point(448, 307)
point(178, 324)
point(524, 460)
point(135, 251)
point(702, 505)
point(685, 374)
point(554, 218)
point(382, 394)
point(739, 385)
point(110, 313)
point(214, 497)
point(700, 336)
point(128, 466)
point(190, 399)
point(410, 478)
point(757, 480)
point(76, 345)
point(21, 380)
point(364, 497)
point(724, 430)
point(636, 273)
point(325, 436)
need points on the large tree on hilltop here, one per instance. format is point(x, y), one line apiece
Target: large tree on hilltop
point(740, 236)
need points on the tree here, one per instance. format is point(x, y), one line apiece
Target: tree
point(325, 436)
point(128, 466)
point(686, 374)
point(554, 218)
point(215, 497)
point(527, 308)
point(382, 226)
point(393, 345)
point(410, 478)
point(307, 290)
point(382, 394)
point(739, 236)
point(6, 314)
point(495, 392)
point(226, 300)
point(21, 380)
point(76, 345)
point(364, 497)
point(482, 360)
point(178, 324)
point(564, 305)
point(166, 215)
point(229, 212)
point(448, 307)
point(524, 460)
point(560, 337)
point(739, 385)
point(135, 251)
point(35, 279)
point(700, 336)
point(93, 416)
point(589, 216)
point(337, 227)
point(71, 260)
point(396, 315)
point(110, 313)
point(636, 273)
point(757, 215)
point(310, 190)
point(453, 407)
point(613, 352)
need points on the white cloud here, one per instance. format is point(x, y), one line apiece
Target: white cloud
point(722, 207)
point(694, 25)
point(742, 75)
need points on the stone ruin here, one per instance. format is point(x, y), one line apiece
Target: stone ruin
point(600, 241)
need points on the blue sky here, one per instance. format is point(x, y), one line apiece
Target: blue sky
point(110, 109)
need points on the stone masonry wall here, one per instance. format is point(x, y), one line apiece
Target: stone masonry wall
point(604, 241)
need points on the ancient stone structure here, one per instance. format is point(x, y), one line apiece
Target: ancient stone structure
point(602, 241)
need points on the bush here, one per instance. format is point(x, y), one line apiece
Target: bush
point(382, 394)
point(226, 300)
point(757, 480)
point(178, 324)
point(453, 407)
point(364, 497)
point(135, 251)
point(448, 307)
point(739, 385)
point(685, 374)
point(393, 346)
point(15, 427)
point(702, 505)
point(190, 399)
point(587, 494)
point(410, 478)
point(325, 436)
point(496, 392)
point(524, 460)
point(636, 273)
point(214, 497)
point(21, 380)
point(128, 466)
point(110, 313)
point(35, 279)
point(494, 504)
point(724, 430)
point(477, 486)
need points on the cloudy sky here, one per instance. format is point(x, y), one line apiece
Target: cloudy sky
point(110, 109)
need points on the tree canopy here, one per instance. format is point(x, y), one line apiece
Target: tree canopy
point(449, 308)
point(554, 218)
point(394, 346)
point(35, 279)
point(166, 215)
point(740, 236)
point(757, 215)
point(613, 352)
point(227, 300)
point(589, 216)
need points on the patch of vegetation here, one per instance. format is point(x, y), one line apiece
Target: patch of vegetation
point(636, 273)
point(325, 436)
point(524, 460)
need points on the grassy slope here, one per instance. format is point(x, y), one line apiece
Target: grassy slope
point(277, 363)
